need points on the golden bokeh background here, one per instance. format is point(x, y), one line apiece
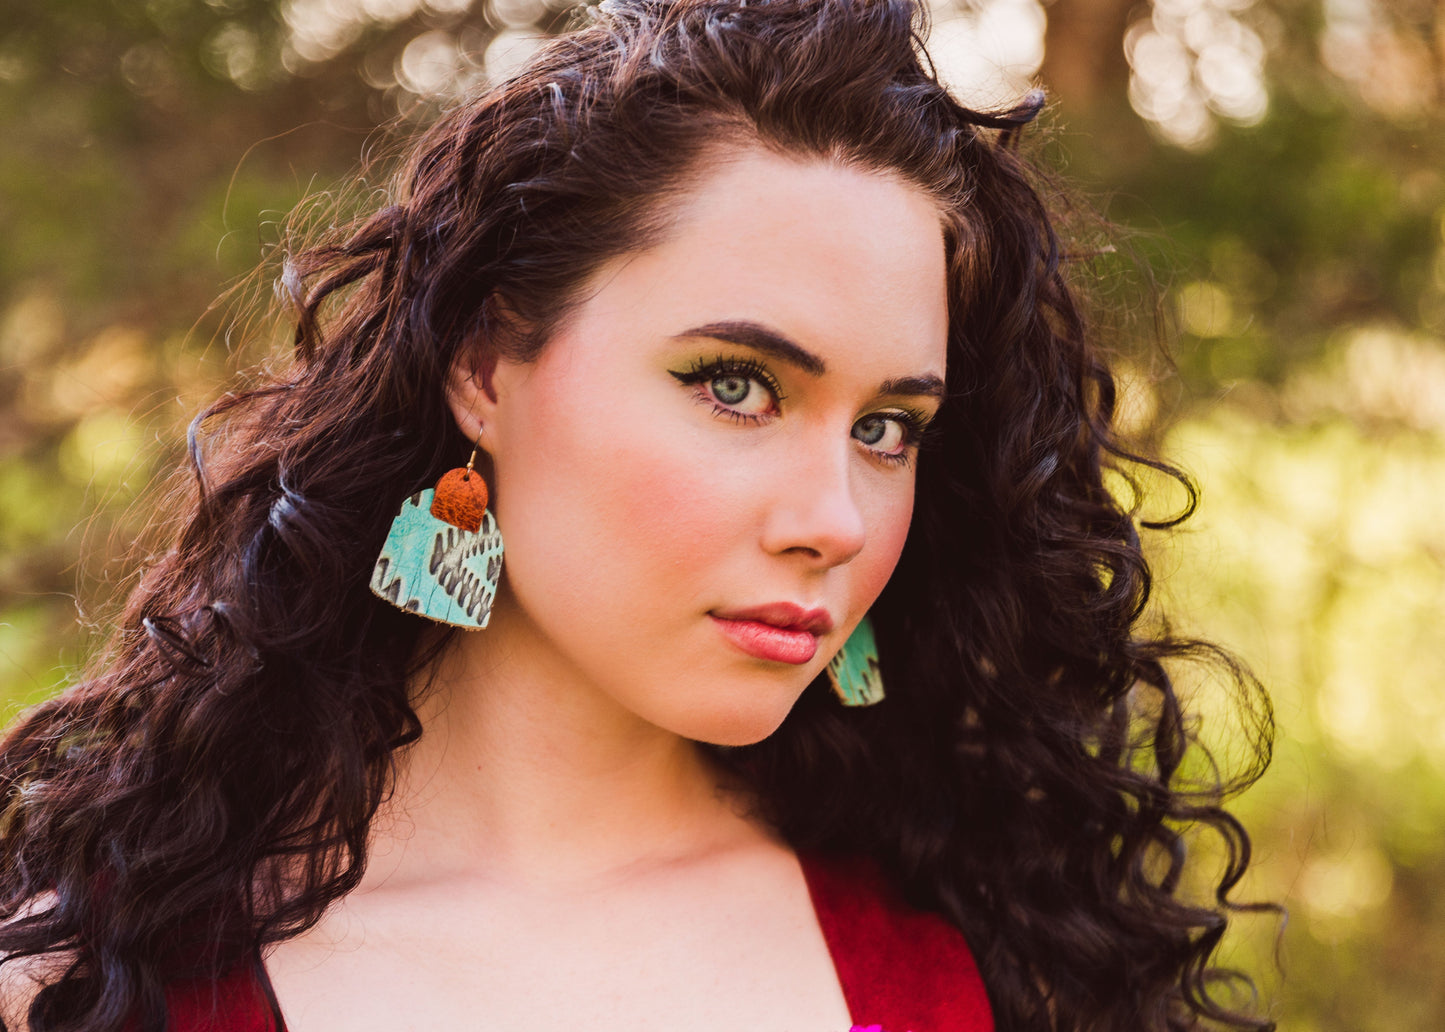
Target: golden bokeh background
point(1274, 166)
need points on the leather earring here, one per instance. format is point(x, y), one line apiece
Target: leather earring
point(853, 670)
point(443, 555)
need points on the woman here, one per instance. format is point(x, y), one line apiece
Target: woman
point(765, 358)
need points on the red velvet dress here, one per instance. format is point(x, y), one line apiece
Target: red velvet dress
point(902, 970)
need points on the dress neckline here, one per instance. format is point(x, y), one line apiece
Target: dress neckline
point(815, 877)
point(900, 969)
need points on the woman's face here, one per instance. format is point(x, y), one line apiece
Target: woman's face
point(706, 478)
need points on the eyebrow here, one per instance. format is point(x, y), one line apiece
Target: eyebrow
point(760, 338)
point(770, 342)
point(928, 386)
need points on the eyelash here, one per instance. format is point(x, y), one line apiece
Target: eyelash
point(701, 371)
point(914, 424)
point(915, 427)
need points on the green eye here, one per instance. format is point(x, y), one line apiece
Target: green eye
point(730, 390)
point(871, 430)
point(739, 388)
point(889, 434)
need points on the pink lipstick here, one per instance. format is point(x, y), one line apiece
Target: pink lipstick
point(781, 632)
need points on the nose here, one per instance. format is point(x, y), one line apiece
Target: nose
point(814, 512)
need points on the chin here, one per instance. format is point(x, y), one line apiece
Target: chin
point(746, 723)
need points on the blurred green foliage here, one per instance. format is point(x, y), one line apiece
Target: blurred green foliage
point(1277, 164)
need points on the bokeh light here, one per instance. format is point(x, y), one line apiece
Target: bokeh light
point(152, 151)
point(1394, 71)
point(988, 51)
point(1193, 62)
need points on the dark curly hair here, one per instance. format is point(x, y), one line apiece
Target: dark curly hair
point(207, 790)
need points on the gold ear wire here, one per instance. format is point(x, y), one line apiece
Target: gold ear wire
point(476, 446)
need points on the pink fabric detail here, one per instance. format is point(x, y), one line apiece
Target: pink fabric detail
point(899, 967)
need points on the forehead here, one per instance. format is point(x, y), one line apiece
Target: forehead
point(841, 259)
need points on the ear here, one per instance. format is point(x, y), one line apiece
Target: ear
point(472, 393)
point(478, 381)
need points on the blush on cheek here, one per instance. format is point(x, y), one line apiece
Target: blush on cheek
point(877, 562)
point(676, 502)
point(616, 505)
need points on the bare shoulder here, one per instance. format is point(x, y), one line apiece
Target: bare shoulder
point(20, 981)
point(22, 978)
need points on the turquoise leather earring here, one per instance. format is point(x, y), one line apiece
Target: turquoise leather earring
point(853, 670)
point(443, 556)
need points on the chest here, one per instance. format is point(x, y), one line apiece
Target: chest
point(660, 956)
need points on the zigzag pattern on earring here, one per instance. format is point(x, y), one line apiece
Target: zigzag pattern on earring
point(854, 671)
point(442, 558)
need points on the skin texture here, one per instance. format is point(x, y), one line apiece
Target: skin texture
point(557, 835)
point(631, 510)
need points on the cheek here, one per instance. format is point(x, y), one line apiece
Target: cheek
point(888, 524)
point(602, 500)
point(672, 521)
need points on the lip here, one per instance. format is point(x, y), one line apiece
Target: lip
point(782, 632)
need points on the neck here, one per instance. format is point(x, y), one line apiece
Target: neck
point(525, 775)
